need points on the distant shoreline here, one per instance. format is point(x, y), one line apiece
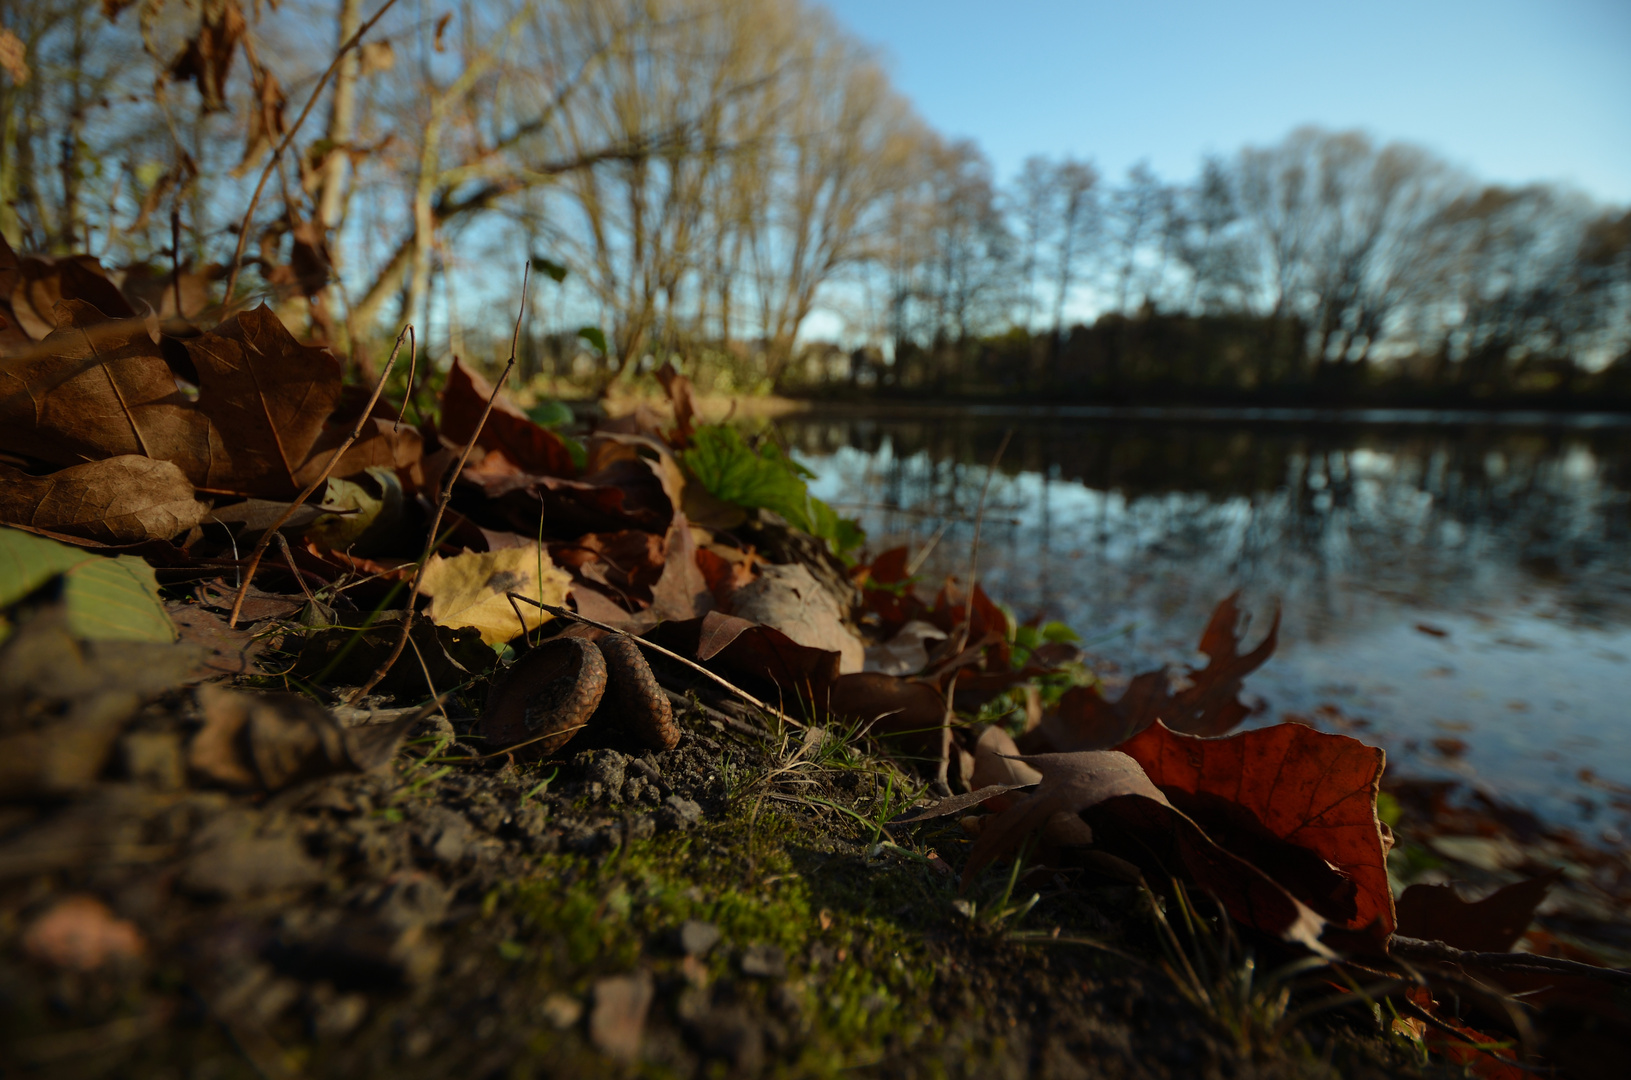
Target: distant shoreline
point(775, 407)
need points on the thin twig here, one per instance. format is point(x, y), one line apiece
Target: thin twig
point(322, 477)
point(277, 151)
point(447, 497)
point(568, 613)
point(288, 557)
point(1511, 963)
point(413, 363)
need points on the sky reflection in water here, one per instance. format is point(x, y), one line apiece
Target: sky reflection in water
point(1461, 596)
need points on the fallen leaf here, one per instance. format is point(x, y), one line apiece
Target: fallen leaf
point(536, 450)
point(678, 389)
point(1207, 705)
point(906, 653)
point(1310, 788)
point(270, 741)
point(95, 389)
point(909, 713)
point(116, 500)
point(789, 599)
point(681, 592)
point(760, 656)
point(1493, 924)
point(267, 397)
point(471, 590)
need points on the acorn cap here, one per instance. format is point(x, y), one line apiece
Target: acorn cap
point(552, 691)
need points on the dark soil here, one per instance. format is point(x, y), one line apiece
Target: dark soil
point(724, 908)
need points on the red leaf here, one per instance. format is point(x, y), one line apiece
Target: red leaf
point(1311, 788)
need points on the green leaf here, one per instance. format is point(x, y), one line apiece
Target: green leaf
point(551, 269)
point(593, 336)
point(550, 414)
point(722, 461)
point(28, 561)
point(108, 599)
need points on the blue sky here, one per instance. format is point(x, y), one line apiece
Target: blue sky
point(1512, 90)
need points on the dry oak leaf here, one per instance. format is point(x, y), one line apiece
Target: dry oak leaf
point(472, 590)
point(124, 499)
point(1311, 788)
point(1207, 705)
point(96, 389)
point(267, 397)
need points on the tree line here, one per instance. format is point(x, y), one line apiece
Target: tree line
point(701, 177)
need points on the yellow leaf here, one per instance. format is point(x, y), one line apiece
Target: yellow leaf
point(469, 590)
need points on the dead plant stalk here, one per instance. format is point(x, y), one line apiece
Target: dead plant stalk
point(322, 478)
point(447, 497)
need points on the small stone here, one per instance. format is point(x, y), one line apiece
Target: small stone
point(680, 813)
point(697, 937)
point(764, 962)
point(561, 1011)
point(646, 767)
point(634, 788)
point(617, 1024)
point(605, 767)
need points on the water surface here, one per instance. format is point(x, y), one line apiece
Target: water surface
point(1458, 592)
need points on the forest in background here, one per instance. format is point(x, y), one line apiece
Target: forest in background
point(713, 181)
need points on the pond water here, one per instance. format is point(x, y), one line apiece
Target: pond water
point(1458, 592)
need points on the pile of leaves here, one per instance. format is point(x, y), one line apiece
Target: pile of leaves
point(141, 463)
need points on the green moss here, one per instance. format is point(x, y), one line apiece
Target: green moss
point(860, 975)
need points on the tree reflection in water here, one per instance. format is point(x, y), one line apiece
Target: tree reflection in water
point(1462, 583)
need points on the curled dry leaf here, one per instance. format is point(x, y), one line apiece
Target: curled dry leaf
point(122, 499)
point(911, 714)
point(1493, 924)
point(907, 653)
point(535, 450)
point(1309, 788)
point(269, 741)
point(551, 691)
point(747, 653)
point(1207, 705)
point(790, 599)
point(472, 590)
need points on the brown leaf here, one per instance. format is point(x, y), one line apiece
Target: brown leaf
point(1208, 705)
point(790, 599)
point(207, 58)
point(1493, 924)
point(267, 397)
point(269, 741)
point(96, 389)
point(1310, 788)
point(749, 653)
point(909, 713)
point(121, 499)
point(536, 450)
point(678, 389)
point(681, 592)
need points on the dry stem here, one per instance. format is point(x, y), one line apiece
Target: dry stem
point(447, 497)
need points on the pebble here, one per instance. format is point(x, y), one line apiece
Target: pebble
point(697, 937)
point(764, 961)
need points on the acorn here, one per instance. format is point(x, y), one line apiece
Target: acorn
point(552, 692)
point(635, 714)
